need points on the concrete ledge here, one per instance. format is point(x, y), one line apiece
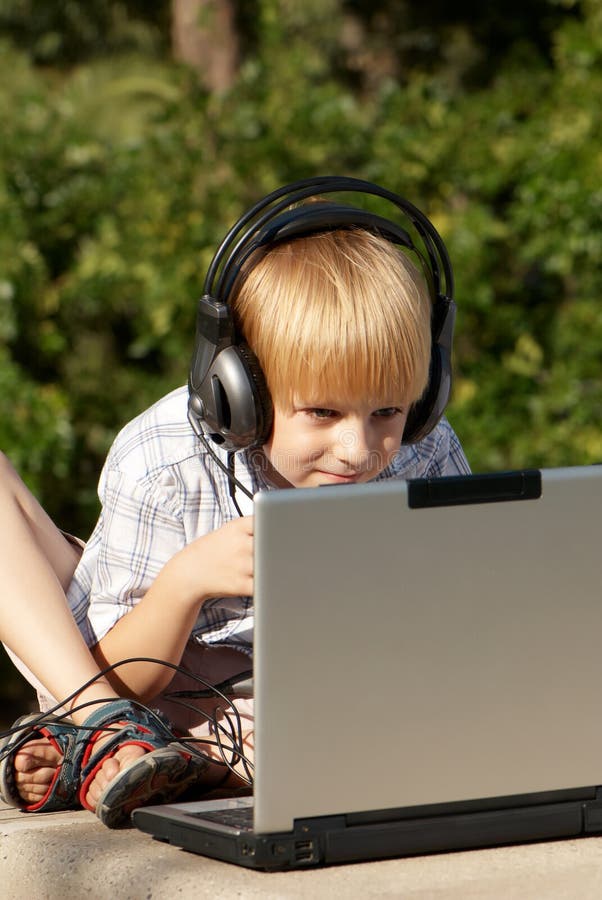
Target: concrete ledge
point(71, 856)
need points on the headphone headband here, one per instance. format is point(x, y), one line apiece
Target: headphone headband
point(305, 221)
point(268, 208)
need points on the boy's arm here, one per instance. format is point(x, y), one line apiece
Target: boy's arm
point(149, 579)
point(219, 564)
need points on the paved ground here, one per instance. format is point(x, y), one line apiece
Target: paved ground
point(68, 856)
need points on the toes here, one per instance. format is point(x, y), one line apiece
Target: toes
point(110, 769)
point(35, 755)
point(94, 792)
point(35, 765)
point(33, 785)
point(128, 753)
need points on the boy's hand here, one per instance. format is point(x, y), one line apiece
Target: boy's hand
point(219, 564)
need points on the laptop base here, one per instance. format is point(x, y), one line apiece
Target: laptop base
point(328, 840)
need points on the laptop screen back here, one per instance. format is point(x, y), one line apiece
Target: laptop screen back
point(417, 656)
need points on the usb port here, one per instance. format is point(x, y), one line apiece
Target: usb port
point(304, 851)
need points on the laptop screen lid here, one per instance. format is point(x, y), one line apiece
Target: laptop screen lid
point(413, 656)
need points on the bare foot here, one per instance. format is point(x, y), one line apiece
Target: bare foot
point(239, 776)
point(35, 765)
point(37, 761)
point(110, 768)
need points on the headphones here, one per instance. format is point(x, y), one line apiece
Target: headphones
point(229, 401)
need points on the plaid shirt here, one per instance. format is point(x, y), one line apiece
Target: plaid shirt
point(159, 490)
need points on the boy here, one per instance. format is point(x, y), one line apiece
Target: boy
point(338, 322)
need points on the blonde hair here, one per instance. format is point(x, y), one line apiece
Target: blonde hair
point(337, 314)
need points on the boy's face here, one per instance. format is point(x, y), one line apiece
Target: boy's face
point(332, 442)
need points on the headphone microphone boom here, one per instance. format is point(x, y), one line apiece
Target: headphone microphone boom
point(229, 401)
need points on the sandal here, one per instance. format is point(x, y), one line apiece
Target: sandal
point(63, 735)
point(161, 775)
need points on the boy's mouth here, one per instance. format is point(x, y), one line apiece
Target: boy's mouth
point(334, 478)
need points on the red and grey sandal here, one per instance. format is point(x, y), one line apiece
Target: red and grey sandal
point(63, 736)
point(165, 771)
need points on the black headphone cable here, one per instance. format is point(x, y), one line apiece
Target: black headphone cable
point(227, 469)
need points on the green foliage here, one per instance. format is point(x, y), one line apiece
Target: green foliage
point(63, 32)
point(118, 177)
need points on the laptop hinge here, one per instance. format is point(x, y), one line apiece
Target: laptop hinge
point(592, 814)
point(483, 804)
point(460, 490)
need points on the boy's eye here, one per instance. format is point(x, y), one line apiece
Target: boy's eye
point(387, 412)
point(321, 413)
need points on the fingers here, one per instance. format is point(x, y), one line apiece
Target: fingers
point(242, 525)
point(229, 565)
point(247, 523)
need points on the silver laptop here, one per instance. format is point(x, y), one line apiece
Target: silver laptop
point(427, 673)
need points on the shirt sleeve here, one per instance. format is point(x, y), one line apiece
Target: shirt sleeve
point(137, 536)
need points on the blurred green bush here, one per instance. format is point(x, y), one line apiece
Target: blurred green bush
point(118, 178)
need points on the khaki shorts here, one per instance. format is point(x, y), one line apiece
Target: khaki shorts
point(214, 665)
point(74, 541)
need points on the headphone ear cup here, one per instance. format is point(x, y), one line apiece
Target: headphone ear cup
point(235, 405)
point(262, 399)
point(428, 410)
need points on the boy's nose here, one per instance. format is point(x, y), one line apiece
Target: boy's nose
point(352, 444)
